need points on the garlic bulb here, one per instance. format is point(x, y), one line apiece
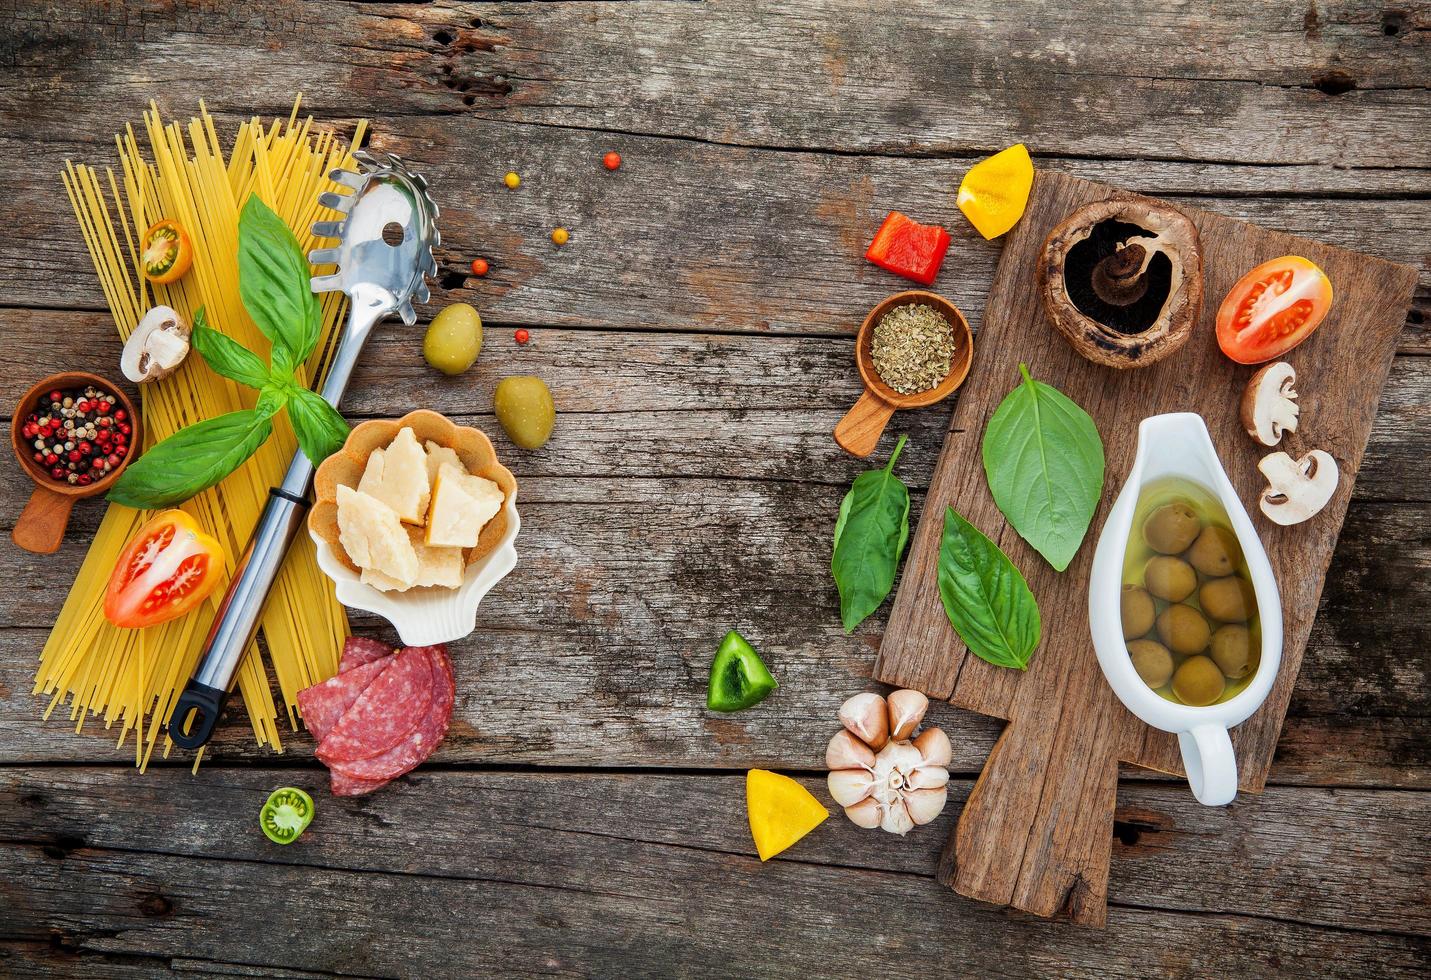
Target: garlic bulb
point(881, 776)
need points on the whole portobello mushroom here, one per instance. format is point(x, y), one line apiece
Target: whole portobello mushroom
point(1122, 280)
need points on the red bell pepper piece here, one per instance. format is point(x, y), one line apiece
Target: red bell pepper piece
point(907, 248)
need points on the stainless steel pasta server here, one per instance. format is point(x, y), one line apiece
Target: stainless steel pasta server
point(384, 250)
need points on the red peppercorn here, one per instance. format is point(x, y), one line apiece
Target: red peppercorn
point(103, 408)
point(522, 335)
point(56, 396)
point(58, 472)
point(611, 161)
point(74, 455)
point(121, 415)
point(113, 459)
point(479, 267)
point(51, 459)
point(39, 456)
point(84, 479)
point(85, 447)
point(124, 428)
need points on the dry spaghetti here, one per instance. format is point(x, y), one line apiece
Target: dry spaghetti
point(131, 678)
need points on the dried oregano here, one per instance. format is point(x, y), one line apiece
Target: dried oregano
point(912, 348)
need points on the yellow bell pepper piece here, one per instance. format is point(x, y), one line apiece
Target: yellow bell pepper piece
point(781, 811)
point(994, 193)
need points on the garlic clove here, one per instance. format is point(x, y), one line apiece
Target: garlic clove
point(925, 804)
point(927, 777)
point(906, 711)
point(896, 818)
point(847, 752)
point(867, 813)
point(867, 717)
point(934, 746)
point(849, 786)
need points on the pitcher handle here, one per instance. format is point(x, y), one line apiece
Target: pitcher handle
point(1210, 764)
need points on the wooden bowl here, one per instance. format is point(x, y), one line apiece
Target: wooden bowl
point(41, 526)
point(859, 431)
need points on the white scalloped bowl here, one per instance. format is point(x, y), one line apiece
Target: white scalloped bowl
point(426, 616)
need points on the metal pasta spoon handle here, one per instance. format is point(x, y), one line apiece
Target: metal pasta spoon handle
point(384, 249)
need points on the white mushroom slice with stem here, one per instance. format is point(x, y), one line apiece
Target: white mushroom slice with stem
point(156, 347)
point(1269, 406)
point(1297, 488)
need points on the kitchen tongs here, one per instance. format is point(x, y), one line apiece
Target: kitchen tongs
point(384, 249)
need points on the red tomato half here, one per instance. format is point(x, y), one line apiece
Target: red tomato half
point(168, 568)
point(1272, 309)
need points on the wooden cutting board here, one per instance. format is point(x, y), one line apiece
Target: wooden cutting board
point(1036, 832)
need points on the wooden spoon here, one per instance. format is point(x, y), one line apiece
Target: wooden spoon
point(859, 431)
point(42, 523)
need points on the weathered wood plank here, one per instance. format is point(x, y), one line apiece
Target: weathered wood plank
point(920, 78)
point(657, 870)
point(684, 236)
point(595, 651)
point(667, 404)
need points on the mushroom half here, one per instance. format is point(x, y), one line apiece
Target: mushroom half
point(156, 347)
point(1122, 280)
point(1297, 488)
point(1269, 405)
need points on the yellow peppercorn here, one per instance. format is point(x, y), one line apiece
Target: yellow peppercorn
point(560, 235)
point(512, 180)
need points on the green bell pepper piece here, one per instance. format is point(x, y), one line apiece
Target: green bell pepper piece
point(739, 678)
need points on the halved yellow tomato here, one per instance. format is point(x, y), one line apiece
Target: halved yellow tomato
point(167, 252)
point(167, 569)
point(995, 191)
point(1272, 309)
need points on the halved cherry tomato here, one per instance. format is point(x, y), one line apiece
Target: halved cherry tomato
point(167, 252)
point(168, 568)
point(1272, 309)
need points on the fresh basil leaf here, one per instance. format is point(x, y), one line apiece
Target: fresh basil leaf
point(1044, 461)
point(191, 460)
point(870, 535)
point(986, 599)
point(274, 284)
point(320, 429)
point(227, 356)
point(271, 399)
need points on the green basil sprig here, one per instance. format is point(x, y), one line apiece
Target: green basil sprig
point(870, 535)
point(985, 597)
point(1044, 461)
point(273, 283)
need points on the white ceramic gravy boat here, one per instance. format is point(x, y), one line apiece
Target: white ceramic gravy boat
point(1178, 445)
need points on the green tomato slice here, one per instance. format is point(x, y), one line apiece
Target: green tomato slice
point(288, 811)
point(739, 678)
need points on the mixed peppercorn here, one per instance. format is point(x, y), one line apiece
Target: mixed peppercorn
point(78, 435)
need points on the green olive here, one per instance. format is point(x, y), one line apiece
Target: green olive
point(1198, 682)
point(524, 407)
point(1169, 578)
point(454, 338)
point(1138, 612)
point(1171, 528)
point(1232, 650)
point(1183, 629)
point(1152, 661)
point(1228, 599)
point(1216, 552)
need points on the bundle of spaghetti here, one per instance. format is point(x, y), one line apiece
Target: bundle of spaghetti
point(132, 678)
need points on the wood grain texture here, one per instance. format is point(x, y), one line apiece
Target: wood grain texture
point(1029, 836)
point(592, 874)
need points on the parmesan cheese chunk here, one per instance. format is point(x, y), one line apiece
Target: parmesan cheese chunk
point(436, 457)
point(374, 538)
point(462, 504)
point(397, 476)
point(442, 567)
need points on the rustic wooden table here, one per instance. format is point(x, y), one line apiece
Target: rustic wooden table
point(586, 815)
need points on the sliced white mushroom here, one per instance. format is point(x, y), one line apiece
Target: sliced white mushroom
point(1297, 488)
point(156, 347)
point(1269, 406)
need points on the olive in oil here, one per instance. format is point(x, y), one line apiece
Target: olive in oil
point(1189, 610)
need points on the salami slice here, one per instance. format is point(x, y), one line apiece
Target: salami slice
point(344, 785)
point(423, 741)
point(359, 650)
point(387, 711)
point(323, 704)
